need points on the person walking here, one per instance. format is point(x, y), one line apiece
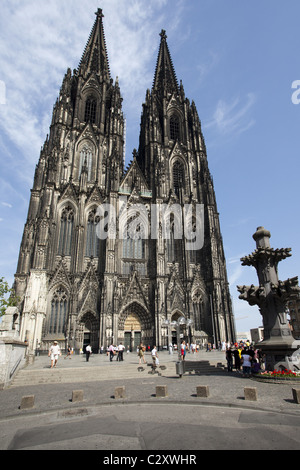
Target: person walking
point(229, 359)
point(69, 353)
point(111, 350)
point(246, 363)
point(237, 360)
point(155, 360)
point(141, 351)
point(183, 350)
point(121, 348)
point(53, 353)
point(88, 352)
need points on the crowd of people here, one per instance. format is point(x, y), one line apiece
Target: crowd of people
point(245, 358)
point(242, 356)
point(116, 351)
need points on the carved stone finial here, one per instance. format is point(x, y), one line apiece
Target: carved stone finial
point(163, 34)
point(262, 237)
point(99, 13)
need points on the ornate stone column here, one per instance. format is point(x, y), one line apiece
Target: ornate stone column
point(271, 296)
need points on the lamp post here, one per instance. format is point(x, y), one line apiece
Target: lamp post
point(181, 321)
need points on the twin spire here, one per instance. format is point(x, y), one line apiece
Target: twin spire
point(165, 77)
point(95, 59)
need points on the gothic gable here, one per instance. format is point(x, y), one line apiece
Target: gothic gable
point(89, 279)
point(95, 196)
point(174, 104)
point(135, 293)
point(87, 134)
point(175, 291)
point(88, 291)
point(91, 84)
point(134, 178)
point(178, 152)
point(198, 286)
point(60, 276)
point(69, 193)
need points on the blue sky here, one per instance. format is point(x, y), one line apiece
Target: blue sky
point(237, 60)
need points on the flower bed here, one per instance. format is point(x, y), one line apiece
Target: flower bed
point(277, 376)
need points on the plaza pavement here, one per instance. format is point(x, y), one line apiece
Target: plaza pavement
point(141, 421)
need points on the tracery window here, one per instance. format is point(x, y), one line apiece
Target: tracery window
point(174, 127)
point(191, 235)
point(178, 176)
point(173, 244)
point(86, 158)
point(66, 232)
point(134, 241)
point(92, 240)
point(90, 110)
point(198, 310)
point(58, 315)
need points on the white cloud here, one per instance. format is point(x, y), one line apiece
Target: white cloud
point(40, 40)
point(205, 68)
point(235, 275)
point(233, 117)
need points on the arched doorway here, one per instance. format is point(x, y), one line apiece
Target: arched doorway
point(132, 332)
point(137, 326)
point(88, 332)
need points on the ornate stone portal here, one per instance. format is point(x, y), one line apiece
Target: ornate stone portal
point(271, 296)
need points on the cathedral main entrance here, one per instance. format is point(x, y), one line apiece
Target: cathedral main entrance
point(137, 326)
point(132, 332)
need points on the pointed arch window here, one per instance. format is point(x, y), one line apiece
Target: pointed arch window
point(86, 158)
point(66, 232)
point(198, 310)
point(173, 244)
point(193, 252)
point(178, 176)
point(59, 309)
point(134, 241)
point(92, 241)
point(90, 110)
point(174, 127)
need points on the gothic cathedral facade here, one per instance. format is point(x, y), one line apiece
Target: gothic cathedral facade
point(77, 286)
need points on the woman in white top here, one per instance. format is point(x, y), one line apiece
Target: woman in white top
point(246, 363)
point(54, 352)
point(154, 355)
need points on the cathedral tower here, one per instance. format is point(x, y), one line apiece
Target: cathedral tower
point(80, 287)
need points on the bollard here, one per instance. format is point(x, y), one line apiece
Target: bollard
point(161, 391)
point(296, 395)
point(27, 402)
point(203, 391)
point(120, 392)
point(77, 395)
point(250, 393)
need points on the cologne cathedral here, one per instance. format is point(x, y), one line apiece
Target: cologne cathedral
point(80, 285)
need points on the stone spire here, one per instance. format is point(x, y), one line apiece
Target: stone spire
point(95, 58)
point(165, 79)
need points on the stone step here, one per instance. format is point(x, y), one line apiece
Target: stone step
point(78, 375)
point(110, 371)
